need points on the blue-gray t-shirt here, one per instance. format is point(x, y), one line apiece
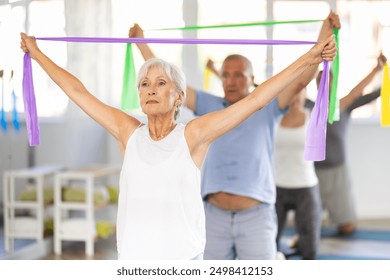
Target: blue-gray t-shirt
point(241, 161)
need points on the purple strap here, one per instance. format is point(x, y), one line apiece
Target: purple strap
point(316, 132)
point(315, 143)
point(30, 107)
point(176, 41)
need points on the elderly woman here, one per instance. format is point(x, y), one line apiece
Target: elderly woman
point(160, 211)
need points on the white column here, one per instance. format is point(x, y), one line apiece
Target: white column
point(91, 63)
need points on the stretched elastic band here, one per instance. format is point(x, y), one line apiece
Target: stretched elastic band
point(385, 96)
point(15, 117)
point(183, 41)
point(334, 112)
point(3, 117)
point(259, 23)
point(30, 107)
point(129, 98)
point(315, 145)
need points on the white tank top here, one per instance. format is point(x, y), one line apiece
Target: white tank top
point(291, 169)
point(160, 209)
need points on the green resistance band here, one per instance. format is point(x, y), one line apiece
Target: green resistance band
point(129, 99)
point(237, 25)
point(333, 104)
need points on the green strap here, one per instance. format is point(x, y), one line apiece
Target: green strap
point(333, 106)
point(238, 25)
point(129, 100)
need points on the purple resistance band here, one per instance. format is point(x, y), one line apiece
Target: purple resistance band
point(30, 107)
point(313, 150)
point(176, 41)
point(315, 143)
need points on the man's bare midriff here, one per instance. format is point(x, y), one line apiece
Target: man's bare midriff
point(233, 202)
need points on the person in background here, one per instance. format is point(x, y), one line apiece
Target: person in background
point(333, 172)
point(210, 64)
point(296, 181)
point(238, 184)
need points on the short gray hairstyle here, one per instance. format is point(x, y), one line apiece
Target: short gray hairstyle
point(172, 71)
point(249, 66)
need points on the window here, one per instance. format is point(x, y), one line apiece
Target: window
point(365, 32)
point(13, 18)
point(297, 10)
point(151, 15)
point(219, 12)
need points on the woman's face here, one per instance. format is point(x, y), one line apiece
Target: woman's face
point(159, 95)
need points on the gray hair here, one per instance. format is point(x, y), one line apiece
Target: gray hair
point(172, 71)
point(249, 67)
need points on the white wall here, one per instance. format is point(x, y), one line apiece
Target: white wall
point(369, 158)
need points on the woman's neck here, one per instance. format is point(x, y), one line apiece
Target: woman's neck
point(159, 131)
